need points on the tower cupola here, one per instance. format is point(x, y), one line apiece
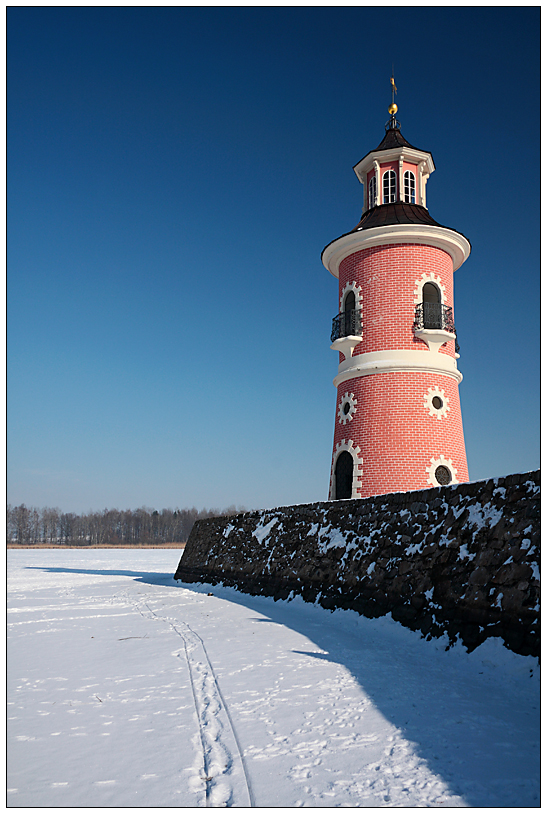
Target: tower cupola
point(394, 171)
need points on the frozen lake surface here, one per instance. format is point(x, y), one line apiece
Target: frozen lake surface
point(126, 688)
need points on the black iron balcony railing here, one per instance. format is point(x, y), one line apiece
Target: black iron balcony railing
point(434, 315)
point(348, 323)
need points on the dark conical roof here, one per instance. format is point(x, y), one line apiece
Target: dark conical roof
point(393, 138)
point(392, 214)
point(398, 212)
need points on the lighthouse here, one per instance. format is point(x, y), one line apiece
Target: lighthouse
point(398, 423)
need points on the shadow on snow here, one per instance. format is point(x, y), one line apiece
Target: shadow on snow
point(466, 741)
point(145, 577)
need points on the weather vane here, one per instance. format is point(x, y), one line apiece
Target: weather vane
point(392, 109)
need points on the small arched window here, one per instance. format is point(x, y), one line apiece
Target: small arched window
point(431, 293)
point(409, 180)
point(349, 320)
point(431, 298)
point(372, 192)
point(389, 181)
point(349, 301)
point(343, 476)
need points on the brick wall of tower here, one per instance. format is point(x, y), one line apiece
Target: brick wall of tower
point(387, 276)
point(395, 432)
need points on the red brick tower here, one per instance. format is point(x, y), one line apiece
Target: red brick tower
point(398, 422)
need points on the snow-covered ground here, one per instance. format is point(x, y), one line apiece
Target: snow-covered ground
point(127, 689)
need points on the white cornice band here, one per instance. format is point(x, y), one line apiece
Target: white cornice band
point(454, 243)
point(396, 361)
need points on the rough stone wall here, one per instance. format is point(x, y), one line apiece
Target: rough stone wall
point(461, 560)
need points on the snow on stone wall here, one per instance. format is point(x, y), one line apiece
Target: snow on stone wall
point(461, 559)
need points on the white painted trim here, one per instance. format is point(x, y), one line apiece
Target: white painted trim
point(395, 361)
point(346, 345)
point(420, 190)
point(440, 461)
point(425, 179)
point(411, 177)
point(428, 402)
point(370, 201)
point(401, 191)
point(410, 155)
point(387, 172)
point(347, 446)
point(434, 338)
point(347, 398)
point(428, 278)
point(356, 290)
point(453, 243)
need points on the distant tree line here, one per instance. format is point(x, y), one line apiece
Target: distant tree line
point(31, 526)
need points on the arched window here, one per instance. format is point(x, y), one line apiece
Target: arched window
point(372, 192)
point(349, 324)
point(409, 181)
point(390, 186)
point(431, 298)
point(349, 301)
point(343, 476)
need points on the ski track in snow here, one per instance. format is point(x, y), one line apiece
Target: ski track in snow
point(128, 689)
point(222, 772)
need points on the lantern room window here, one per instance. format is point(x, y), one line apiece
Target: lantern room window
point(372, 192)
point(409, 180)
point(389, 181)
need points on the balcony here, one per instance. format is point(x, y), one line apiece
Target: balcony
point(347, 331)
point(348, 323)
point(434, 325)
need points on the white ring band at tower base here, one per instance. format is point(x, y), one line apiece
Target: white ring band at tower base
point(396, 361)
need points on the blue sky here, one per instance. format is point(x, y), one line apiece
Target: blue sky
point(173, 176)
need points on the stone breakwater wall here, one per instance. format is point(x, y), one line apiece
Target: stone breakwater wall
point(461, 559)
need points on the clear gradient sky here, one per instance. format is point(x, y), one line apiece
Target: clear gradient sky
point(173, 176)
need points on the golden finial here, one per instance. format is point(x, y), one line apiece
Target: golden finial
point(393, 124)
point(392, 109)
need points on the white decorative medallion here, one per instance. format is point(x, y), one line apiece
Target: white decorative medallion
point(436, 403)
point(347, 408)
point(441, 471)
